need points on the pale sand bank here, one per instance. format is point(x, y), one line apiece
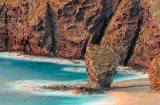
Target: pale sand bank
point(134, 92)
point(21, 56)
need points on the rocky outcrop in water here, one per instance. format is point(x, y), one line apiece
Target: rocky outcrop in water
point(64, 28)
point(154, 74)
point(101, 66)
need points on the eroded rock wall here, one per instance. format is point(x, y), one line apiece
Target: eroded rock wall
point(154, 74)
point(28, 26)
point(148, 43)
point(133, 34)
point(65, 27)
point(54, 27)
point(79, 23)
point(122, 31)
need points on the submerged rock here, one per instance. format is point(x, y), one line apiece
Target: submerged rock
point(154, 74)
point(101, 66)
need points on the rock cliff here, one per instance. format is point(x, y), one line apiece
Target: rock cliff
point(101, 66)
point(133, 34)
point(53, 27)
point(154, 74)
point(64, 28)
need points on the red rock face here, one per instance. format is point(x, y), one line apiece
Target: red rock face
point(133, 34)
point(28, 27)
point(121, 33)
point(65, 27)
point(79, 23)
point(154, 74)
point(62, 27)
point(148, 43)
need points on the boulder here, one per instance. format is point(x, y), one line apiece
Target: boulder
point(101, 66)
point(154, 74)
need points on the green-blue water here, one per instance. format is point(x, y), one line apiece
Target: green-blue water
point(17, 70)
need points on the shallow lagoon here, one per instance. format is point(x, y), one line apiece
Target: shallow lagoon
point(34, 71)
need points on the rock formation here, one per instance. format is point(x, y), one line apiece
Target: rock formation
point(148, 43)
point(133, 34)
point(64, 28)
point(27, 26)
point(52, 27)
point(154, 74)
point(101, 66)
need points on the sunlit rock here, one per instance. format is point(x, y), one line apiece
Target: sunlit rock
point(154, 74)
point(101, 66)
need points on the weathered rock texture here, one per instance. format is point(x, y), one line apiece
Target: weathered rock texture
point(53, 27)
point(133, 34)
point(154, 74)
point(101, 66)
point(27, 26)
point(65, 27)
point(148, 44)
point(78, 23)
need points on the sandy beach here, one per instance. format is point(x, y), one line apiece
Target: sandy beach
point(134, 92)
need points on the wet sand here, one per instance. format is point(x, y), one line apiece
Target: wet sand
point(134, 92)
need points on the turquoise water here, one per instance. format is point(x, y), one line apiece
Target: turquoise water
point(17, 70)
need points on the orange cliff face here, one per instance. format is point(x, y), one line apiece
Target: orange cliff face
point(64, 28)
point(53, 27)
point(154, 74)
point(27, 26)
point(133, 33)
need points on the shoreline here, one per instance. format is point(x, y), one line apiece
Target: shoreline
point(22, 56)
point(121, 97)
point(120, 88)
point(134, 92)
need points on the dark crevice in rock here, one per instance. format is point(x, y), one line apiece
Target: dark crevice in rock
point(53, 28)
point(105, 26)
point(133, 44)
point(80, 15)
point(6, 31)
point(103, 29)
point(41, 28)
point(6, 43)
point(83, 50)
point(26, 43)
point(117, 5)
